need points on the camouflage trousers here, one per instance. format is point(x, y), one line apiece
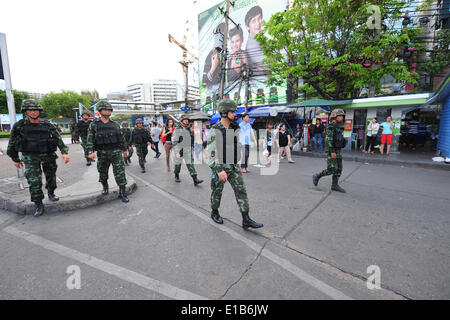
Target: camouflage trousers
point(33, 173)
point(130, 153)
point(114, 158)
point(189, 164)
point(84, 145)
point(237, 183)
point(141, 151)
point(334, 166)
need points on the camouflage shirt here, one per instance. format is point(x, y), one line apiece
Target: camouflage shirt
point(329, 136)
point(179, 132)
point(17, 133)
point(212, 153)
point(92, 132)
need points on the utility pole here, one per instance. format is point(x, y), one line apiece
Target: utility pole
point(224, 52)
point(7, 76)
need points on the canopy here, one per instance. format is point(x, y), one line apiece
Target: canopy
point(319, 102)
point(198, 115)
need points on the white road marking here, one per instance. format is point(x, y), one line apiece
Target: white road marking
point(285, 264)
point(128, 218)
point(112, 269)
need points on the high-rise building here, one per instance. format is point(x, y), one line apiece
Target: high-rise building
point(164, 90)
point(120, 96)
point(140, 92)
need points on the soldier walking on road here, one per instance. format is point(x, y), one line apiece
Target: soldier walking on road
point(82, 131)
point(224, 154)
point(183, 142)
point(38, 141)
point(105, 137)
point(334, 141)
point(126, 132)
point(141, 139)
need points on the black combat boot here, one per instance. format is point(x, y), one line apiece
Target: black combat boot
point(216, 216)
point(249, 223)
point(105, 188)
point(142, 169)
point(316, 178)
point(88, 161)
point(196, 181)
point(125, 160)
point(52, 197)
point(177, 177)
point(39, 209)
point(122, 194)
point(335, 186)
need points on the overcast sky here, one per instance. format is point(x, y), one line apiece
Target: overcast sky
point(95, 44)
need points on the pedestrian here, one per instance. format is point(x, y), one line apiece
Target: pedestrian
point(141, 138)
point(334, 141)
point(298, 133)
point(82, 132)
point(224, 166)
point(269, 142)
point(183, 141)
point(38, 141)
point(198, 140)
point(105, 137)
point(318, 129)
point(372, 132)
point(386, 136)
point(168, 144)
point(246, 136)
point(126, 132)
point(155, 132)
point(205, 133)
point(283, 143)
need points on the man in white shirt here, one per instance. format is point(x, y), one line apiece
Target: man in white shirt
point(155, 133)
point(245, 135)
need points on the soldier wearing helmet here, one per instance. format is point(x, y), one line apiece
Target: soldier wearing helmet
point(140, 138)
point(224, 154)
point(334, 141)
point(82, 131)
point(38, 141)
point(126, 132)
point(105, 137)
point(183, 142)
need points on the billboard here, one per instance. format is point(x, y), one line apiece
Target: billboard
point(244, 53)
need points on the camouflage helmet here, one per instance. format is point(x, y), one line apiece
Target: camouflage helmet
point(139, 121)
point(226, 105)
point(104, 105)
point(184, 116)
point(337, 112)
point(85, 112)
point(31, 104)
point(124, 124)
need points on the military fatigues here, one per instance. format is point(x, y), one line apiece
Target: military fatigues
point(219, 161)
point(108, 141)
point(38, 144)
point(184, 149)
point(129, 142)
point(334, 166)
point(140, 138)
point(82, 132)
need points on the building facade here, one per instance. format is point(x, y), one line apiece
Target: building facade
point(140, 92)
point(164, 90)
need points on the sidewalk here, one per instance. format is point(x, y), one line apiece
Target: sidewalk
point(403, 159)
point(78, 185)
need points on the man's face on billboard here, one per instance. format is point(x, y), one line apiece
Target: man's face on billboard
point(236, 43)
point(255, 24)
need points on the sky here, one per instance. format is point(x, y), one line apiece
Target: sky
point(56, 45)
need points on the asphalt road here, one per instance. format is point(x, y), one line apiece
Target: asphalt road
point(315, 244)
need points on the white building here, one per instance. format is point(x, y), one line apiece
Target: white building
point(166, 90)
point(193, 93)
point(140, 92)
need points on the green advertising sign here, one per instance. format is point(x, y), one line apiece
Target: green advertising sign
point(244, 53)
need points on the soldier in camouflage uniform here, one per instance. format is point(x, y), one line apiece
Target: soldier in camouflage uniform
point(183, 141)
point(224, 153)
point(81, 131)
point(334, 141)
point(105, 137)
point(140, 139)
point(126, 132)
point(37, 140)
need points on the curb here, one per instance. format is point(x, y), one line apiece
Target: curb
point(348, 157)
point(65, 204)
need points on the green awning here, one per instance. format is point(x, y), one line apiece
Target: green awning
point(319, 102)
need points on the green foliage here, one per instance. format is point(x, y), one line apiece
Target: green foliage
point(4, 134)
point(440, 57)
point(328, 42)
point(94, 97)
point(18, 98)
point(62, 104)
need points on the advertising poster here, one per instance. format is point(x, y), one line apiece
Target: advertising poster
point(244, 52)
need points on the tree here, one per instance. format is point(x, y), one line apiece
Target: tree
point(94, 97)
point(18, 98)
point(335, 52)
point(62, 104)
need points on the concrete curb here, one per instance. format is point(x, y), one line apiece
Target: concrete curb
point(347, 157)
point(74, 202)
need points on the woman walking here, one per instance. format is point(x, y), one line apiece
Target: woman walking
point(167, 135)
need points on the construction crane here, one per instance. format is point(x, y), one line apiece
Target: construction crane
point(184, 62)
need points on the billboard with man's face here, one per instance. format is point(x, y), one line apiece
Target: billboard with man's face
point(244, 53)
